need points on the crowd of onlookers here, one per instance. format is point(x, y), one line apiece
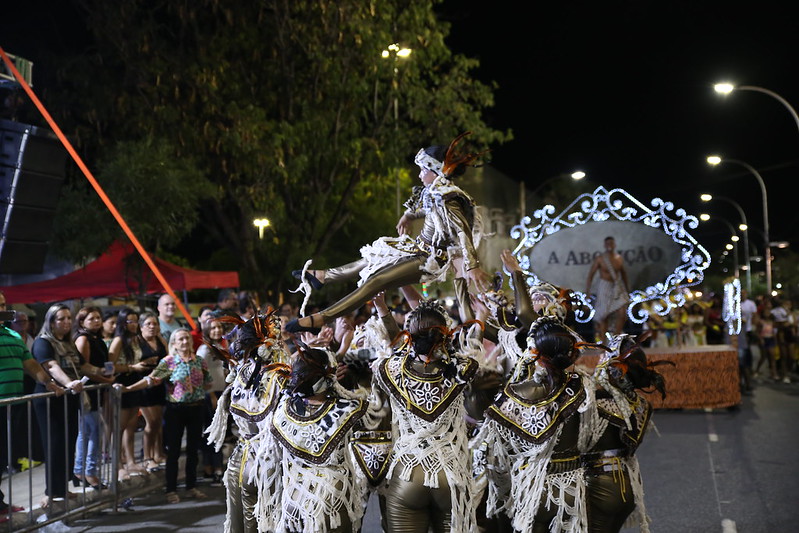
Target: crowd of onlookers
point(767, 344)
point(68, 349)
point(138, 352)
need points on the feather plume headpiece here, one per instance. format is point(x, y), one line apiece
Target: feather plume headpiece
point(452, 159)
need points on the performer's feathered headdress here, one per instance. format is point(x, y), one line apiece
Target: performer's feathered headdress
point(626, 367)
point(426, 158)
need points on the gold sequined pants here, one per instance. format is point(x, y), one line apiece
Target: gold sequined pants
point(413, 508)
point(406, 272)
point(241, 495)
point(610, 500)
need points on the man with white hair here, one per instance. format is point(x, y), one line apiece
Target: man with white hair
point(166, 316)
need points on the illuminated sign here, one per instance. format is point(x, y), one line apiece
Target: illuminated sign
point(669, 243)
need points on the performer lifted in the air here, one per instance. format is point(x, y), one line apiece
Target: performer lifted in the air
point(448, 240)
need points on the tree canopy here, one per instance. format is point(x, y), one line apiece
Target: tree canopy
point(202, 115)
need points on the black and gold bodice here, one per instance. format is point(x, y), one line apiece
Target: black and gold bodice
point(537, 415)
point(314, 436)
point(428, 392)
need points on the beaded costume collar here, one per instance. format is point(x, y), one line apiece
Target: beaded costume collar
point(537, 421)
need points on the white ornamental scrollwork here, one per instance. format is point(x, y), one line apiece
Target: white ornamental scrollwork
point(616, 204)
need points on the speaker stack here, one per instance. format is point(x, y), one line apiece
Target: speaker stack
point(32, 167)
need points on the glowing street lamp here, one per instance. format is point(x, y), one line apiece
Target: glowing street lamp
point(261, 224)
point(577, 175)
point(716, 160)
point(727, 88)
point(744, 227)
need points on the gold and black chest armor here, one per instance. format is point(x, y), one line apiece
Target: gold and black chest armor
point(536, 421)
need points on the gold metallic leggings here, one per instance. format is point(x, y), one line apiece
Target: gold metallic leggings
point(241, 495)
point(610, 500)
point(413, 508)
point(390, 277)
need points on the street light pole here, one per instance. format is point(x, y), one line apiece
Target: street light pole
point(576, 176)
point(744, 227)
point(394, 50)
point(704, 217)
point(715, 160)
point(727, 88)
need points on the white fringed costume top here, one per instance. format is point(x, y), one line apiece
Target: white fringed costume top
point(531, 449)
point(320, 478)
point(429, 427)
point(452, 229)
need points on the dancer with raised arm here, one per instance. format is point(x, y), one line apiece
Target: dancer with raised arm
point(447, 242)
point(429, 475)
point(534, 433)
point(614, 487)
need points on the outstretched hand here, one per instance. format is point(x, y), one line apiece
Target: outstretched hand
point(509, 261)
point(481, 280)
point(404, 225)
point(379, 301)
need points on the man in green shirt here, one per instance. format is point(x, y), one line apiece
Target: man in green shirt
point(15, 360)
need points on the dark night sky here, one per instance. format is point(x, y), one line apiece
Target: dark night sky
point(619, 89)
point(623, 91)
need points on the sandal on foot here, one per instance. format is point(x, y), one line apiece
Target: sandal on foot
point(172, 497)
point(315, 282)
point(196, 493)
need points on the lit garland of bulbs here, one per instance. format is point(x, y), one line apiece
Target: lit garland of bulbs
point(731, 310)
point(617, 204)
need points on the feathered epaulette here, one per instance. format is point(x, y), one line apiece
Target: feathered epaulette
point(453, 160)
point(414, 203)
point(248, 335)
point(552, 300)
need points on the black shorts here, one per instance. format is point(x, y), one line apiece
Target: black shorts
point(154, 396)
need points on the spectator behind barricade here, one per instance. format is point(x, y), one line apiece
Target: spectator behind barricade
point(714, 321)
point(109, 326)
point(793, 319)
point(287, 310)
point(58, 417)
point(16, 361)
point(153, 348)
point(90, 345)
point(783, 336)
point(126, 354)
point(767, 334)
point(217, 368)
point(747, 339)
point(227, 300)
point(186, 377)
point(246, 305)
point(21, 325)
point(695, 332)
point(166, 315)
point(205, 314)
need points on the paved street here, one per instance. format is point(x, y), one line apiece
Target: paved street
point(719, 471)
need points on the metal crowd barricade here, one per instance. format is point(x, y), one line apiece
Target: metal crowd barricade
point(31, 482)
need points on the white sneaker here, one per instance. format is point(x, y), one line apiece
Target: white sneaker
point(786, 379)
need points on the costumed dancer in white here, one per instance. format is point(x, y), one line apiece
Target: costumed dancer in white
point(258, 371)
point(615, 489)
point(448, 241)
point(613, 293)
point(313, 422)
point(534, 433)
point(429, 477)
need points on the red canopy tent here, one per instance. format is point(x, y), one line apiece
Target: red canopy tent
point(118, 271)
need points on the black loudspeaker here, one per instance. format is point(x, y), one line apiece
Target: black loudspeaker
point(32, 166)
